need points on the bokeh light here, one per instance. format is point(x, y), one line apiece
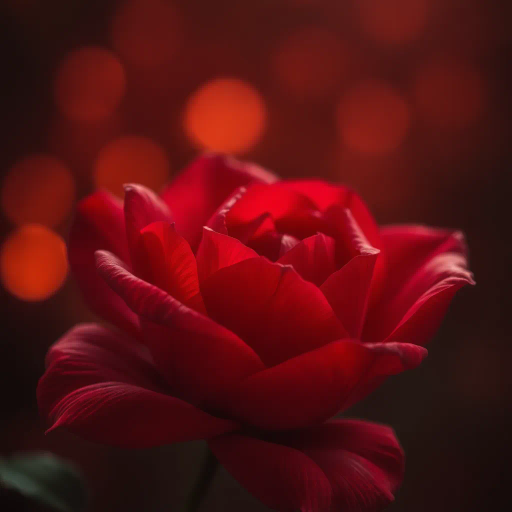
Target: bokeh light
point(38, 188)
point(33, 262)
point(449, 93)
point(226, 115)
point(373, 118)
point(310, 63)
point(392, 21)
point(147, 33)
point(90, 84)
point(131, 159)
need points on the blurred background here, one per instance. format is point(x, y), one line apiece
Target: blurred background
point(405, 100)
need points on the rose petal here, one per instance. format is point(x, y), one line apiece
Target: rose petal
point(425, 269)
point(363, 461)
point(283, 478)
point(217, 251)
point(315, 386)
point(313, 258)
point(198, 357)
point(271, 308)
point(198, 191)
point(107, 390)
point(168, 262)
point(348, 289)
point(275, 199)
point(99, 224)
point(340, 465)
point(325, 195)
point(141, 207)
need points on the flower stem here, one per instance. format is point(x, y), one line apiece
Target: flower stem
point(200, 488)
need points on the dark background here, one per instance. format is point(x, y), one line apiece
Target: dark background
point(448, 166)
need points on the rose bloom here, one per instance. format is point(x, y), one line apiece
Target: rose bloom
point(248, 311)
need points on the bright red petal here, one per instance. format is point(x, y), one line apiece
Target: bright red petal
point(313, 387)
point(425, 269)
point(99, 224)
point(197, 192)
point(348, 289)
point(283, 478)
point(325, 195)
point(106, 389)
point(198, 357)
point(168, 262)
point(275, 199)
point(271, 308)
point(313, 258)
point(141, 207)
point(217, 251)
point(340, 465)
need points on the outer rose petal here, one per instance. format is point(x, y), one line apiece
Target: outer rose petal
point(167, 261)
point(340, 465)
point(198, 357)
point(271, 308)
point(108, 391)
point(313, 387)
point(197, 192)
point(99, 224)
point(283, 478)
point(425, 269)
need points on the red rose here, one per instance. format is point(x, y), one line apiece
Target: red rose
point(251, 332)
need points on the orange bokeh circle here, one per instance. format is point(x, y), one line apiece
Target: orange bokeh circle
point(226, 115)
point(90, 84)
point(373, 118)
point(38, 188)
point(449, 93)
point(33, 262)
point(393, 21)
point(131, 159)
point(147, 33)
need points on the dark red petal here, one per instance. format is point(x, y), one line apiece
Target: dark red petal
point(425, 269)
point(315, 386)
point(107, 390)
point(363, 461)
point(325, 195)
point(217, 251)
point(341, 465)
point(167, 261)
point(99, 224)
point(271, 308)
point(283, 478)
point(313, 258)
point(141, 207)
point(198, 191)
point(198, 357)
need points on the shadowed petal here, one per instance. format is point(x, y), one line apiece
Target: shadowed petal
point(197, 356)
point(108, 391)
point(341, 465)
point(315, 386)
point(99, 224)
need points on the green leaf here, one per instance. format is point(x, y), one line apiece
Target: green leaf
point(46, 479)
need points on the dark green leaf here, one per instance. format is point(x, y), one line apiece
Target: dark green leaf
point(46, 479)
